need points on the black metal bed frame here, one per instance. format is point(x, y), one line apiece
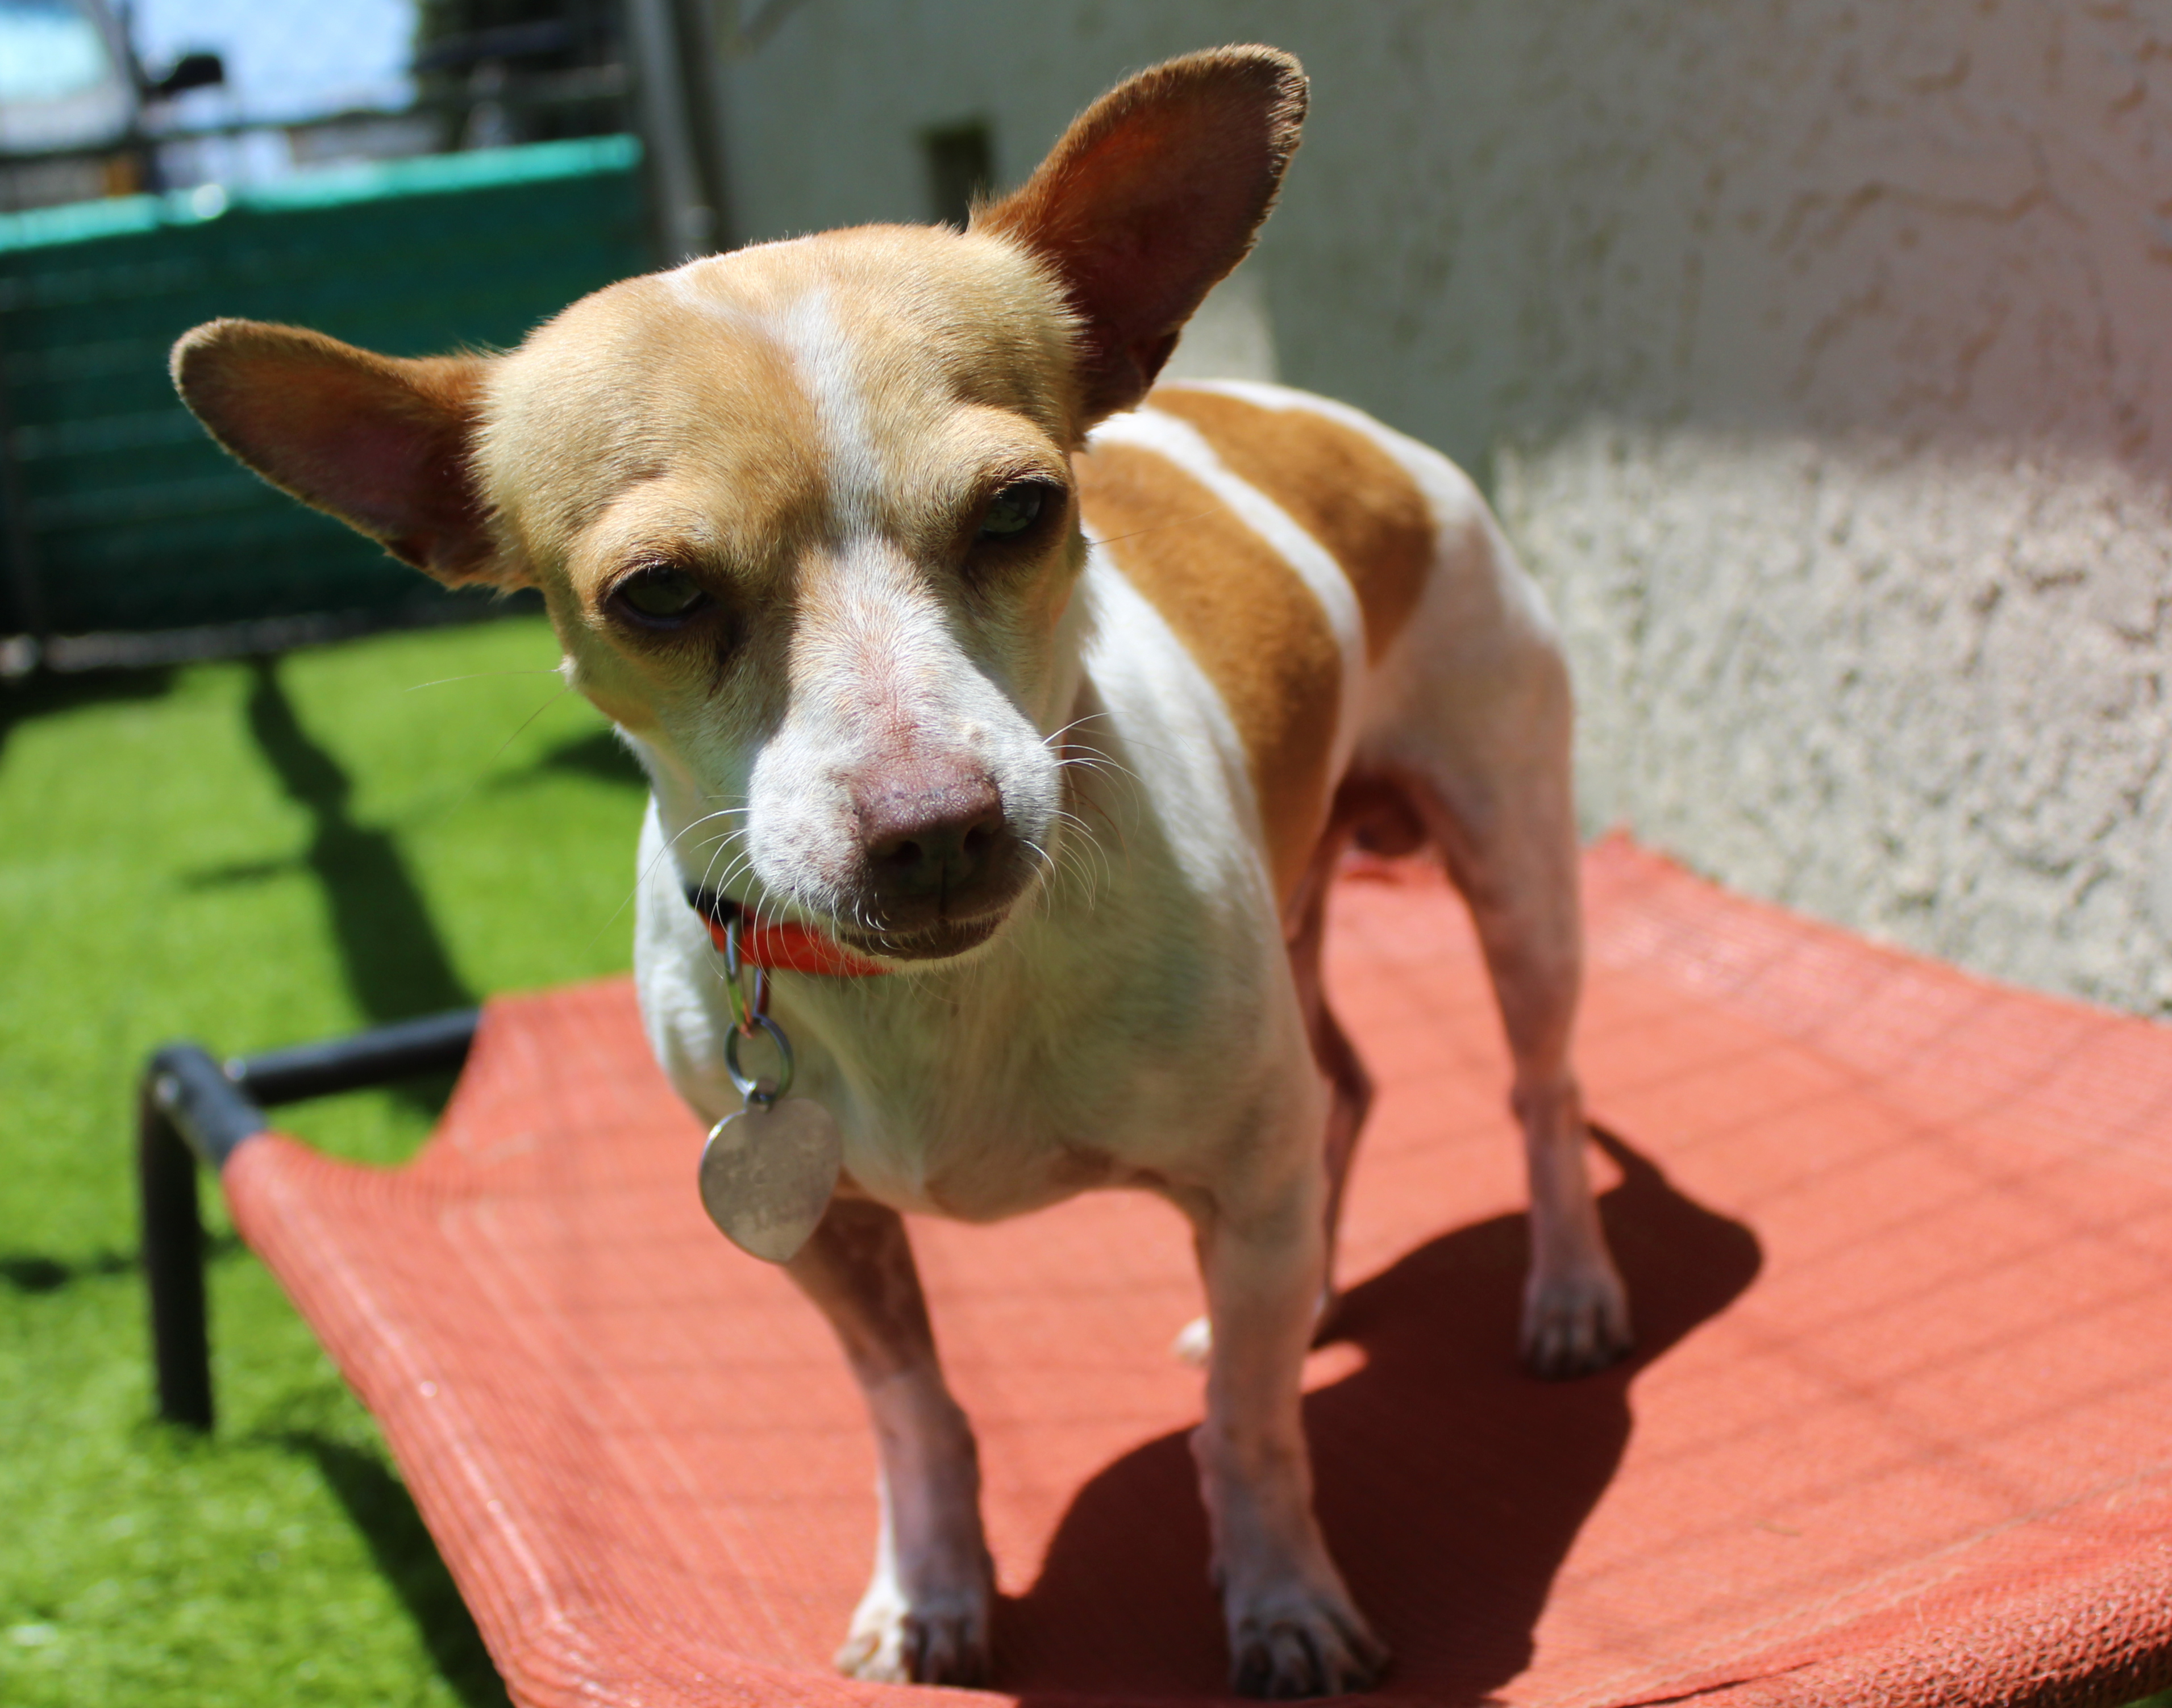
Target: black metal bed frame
point(191, 1107)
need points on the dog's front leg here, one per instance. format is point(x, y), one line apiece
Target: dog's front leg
point(924, 1619)
point(1294, 1630)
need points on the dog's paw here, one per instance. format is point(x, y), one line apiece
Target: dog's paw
point(1296, 1643)
point(1575, 1323)
point(940, 1638)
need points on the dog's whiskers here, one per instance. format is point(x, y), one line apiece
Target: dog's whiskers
point(1075, 850)
point(480, 676)
point(1151, 528)
point(641, 876)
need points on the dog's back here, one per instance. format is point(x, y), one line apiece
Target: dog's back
point(1341, 585)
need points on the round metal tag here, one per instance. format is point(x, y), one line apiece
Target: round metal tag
point(767, 1174)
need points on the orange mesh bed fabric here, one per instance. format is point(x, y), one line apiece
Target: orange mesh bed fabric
point(1899, 1429)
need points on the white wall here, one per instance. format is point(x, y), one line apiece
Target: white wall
point(1818, 357)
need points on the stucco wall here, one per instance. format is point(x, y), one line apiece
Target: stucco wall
point(1818, 357)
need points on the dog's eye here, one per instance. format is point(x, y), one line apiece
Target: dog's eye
point(660, 596)
point(1013, 510)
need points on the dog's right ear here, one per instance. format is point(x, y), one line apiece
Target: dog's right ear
point(1150, 198)
point(383, 442)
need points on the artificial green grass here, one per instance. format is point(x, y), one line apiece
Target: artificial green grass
point(252, 854)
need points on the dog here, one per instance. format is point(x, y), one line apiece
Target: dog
point(1037, 705)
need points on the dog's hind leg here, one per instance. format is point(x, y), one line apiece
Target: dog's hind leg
point(1502, 815)
point(924, 1619)
point(1350, 1088)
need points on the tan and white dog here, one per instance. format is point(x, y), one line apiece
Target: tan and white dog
point(1054, 699)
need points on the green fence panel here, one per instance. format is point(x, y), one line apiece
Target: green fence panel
point(134, 519)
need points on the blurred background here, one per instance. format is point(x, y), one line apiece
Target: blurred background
point(1813, 356)
point(408, 176)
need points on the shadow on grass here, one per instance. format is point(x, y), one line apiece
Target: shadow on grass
point(395, 962)
point(44, 695)
point(599, 754)
point(29, 1272)
point(234, 871)
point(380, 1508)
point(48, 1275)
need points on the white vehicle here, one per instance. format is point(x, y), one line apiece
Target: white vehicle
point(70, 90)
point(65, 75)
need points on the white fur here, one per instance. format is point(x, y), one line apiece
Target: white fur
point(809, 332)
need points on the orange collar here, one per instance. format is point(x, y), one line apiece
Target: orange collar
point(785, 947)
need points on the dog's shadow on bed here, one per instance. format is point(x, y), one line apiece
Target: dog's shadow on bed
point(1450, 1484)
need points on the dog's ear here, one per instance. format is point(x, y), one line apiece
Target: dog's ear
point(1152, 197)
point(383, 442)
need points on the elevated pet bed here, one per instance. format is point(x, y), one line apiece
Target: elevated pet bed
point(1898, 1431)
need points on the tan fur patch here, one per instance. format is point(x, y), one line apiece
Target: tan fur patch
point(1246, 616)
point(1338, 486)
point(735, 418)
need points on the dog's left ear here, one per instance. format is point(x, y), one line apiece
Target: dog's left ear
point(1152, 197)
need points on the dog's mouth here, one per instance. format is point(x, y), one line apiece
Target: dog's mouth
point(941, 941)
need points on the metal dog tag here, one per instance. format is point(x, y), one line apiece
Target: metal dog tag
point(767, 1174)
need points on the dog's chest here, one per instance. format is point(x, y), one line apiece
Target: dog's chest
point(1005, 1101)
point(1135, 1056)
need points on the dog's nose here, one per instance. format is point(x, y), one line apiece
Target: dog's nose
point(927, 838)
